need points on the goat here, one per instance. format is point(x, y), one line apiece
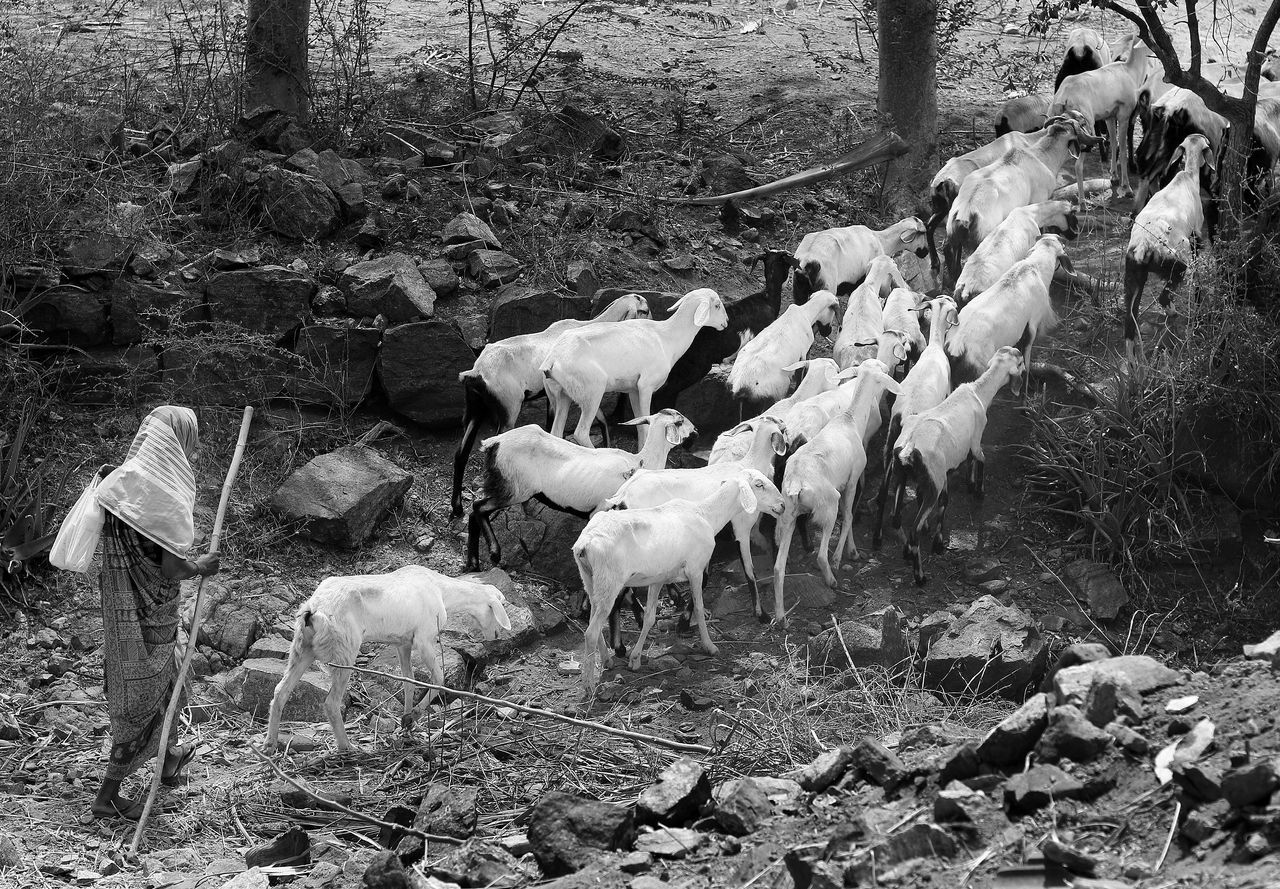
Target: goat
point(633, 356)
point(1022, 176)
point(837, 259)
point(407, 608)
point(902, 313)
point(1010, 242)
point(1014, 310)
point(1086, 51)
point(1022, 114)
point(1271, 66)
point(864, 314)
point(824, 479)
point(821, 375)
point(506, 375)
point(651, 547)
point(940, 439)
point(759, 372)
point(1174, 116)
point(528, 463)
point(1165, 234)
point(927, 384)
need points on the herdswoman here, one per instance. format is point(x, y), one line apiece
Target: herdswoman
point(148, 532)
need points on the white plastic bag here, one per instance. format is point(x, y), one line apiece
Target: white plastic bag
point(77, 539)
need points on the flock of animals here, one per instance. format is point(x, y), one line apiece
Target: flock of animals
point(924, 369)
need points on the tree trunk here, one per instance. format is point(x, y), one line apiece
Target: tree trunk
point(275, 64)
point(908, 96)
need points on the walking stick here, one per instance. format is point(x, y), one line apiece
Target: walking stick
point(190, 651)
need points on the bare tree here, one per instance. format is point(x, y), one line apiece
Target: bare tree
point(908, 95)
point(276, 56)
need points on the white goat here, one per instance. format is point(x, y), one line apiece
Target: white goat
point(1022, 114)
point(863, 314)
point(1015, 310)
point(651, 547)
point(837, 259)
point(1164, 236)
point(824, 479)
point(821, 375)
point(902, 312)
point(630, 356)
point(506, 375)
point(406, 608)
point(527, 462)
point(942, 438)
point(759, 373)
point(1010, 242)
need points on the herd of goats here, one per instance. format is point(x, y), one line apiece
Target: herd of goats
point(801, 457)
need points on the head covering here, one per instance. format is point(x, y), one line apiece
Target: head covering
point(154, 490)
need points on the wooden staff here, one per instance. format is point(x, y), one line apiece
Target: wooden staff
point(190, 651)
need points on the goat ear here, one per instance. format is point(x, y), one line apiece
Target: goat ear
point(673, 435)
point(891, 385)
point(779, 443)
point(500, 615)
point(702, 316)
point(848, 373)
point(1173, 158)
point(908, 236)
point(747, 498)
point(799, 365)
point(638, 421)
point(1065, 262)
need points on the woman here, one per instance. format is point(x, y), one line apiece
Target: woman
point(148, 531)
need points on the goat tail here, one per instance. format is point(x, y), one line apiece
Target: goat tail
point(305, 628)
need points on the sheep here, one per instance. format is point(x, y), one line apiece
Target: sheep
point(1010, 242)
point(1086, 51)
point(655, 487)
point(407, 608)
point(1109, 93)
point(837, 259)
point(927, 384)
point(759, 372)
point(864, 314)
point(1022, 176)
point(528, 462)
point(824, 479)
point(821, 375)
point(1174, 116)
point(902, 313)
point(942, 438)
point(633, 356)
point(1015, 310)
point(651, 547)
point(1022, 114)
point(506, 375)
point(1164, 236)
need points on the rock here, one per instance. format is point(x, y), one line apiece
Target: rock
point(1098, 584)
point(581, 277)
point(636, 863)
point(1070, 857)
point(1204, 821)
point(10, 855)
point(69, 315)
point(1252, 784)
point(386, 871)
point(1144, 674)
point(270, 646)
point(215, 372)
point(293, 847)
point(519, 310)
point(104, 239)
point(390, 286)
point(439, 274)
point(991, 647)
point(670, 842)
point(251, 685)
point(351, 201)
point(340, 497)
point(419, 370)
point(1014, 737)
point(1127, 739)
point(1112, 696)
point(231, 629)
point(1265, 650)
point(296, 205)
point(981, 570)
point(1074, 655)
point(138, 308)
point(956, 802)
point(694, 702)
point(493, 267)
point(872, 761)
point(469, 227)
point(253, 878)
point(569, 832)
point(445, 811)
point(180, 177)
point(681, 263)
point(575, 128)
point(327, 166)
point(329, 300)
point(1036, 787)
point(405, 141)
point(678, 796)
point(812, 872)
point(271, 300)
point(741, 806)
point(959, 763)
point(917, 841)
point(338, 362)
point(1201, 780)
point(828, 768)
point(879, 638)
point(1070, 736)
point(461, 252)
point(479, 864)
point(394, 187)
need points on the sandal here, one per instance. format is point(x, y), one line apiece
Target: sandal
point(173, 777)
point(131, 812)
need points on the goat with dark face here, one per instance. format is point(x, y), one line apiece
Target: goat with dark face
point(1177, 114)
point(1086, 51)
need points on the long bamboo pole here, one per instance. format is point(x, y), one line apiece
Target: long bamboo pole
point(214, 539)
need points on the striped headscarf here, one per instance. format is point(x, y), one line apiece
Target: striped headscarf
point(154, 490)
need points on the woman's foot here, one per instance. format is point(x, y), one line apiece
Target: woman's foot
point(110, 804)
point(177, 759)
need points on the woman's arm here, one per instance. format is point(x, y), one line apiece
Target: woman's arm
point(177, 568)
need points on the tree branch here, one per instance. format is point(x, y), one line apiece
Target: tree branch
point(1193, 27)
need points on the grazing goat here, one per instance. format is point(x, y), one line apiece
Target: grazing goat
point(926, 385)
point(937, 440)
point(1010, 243)
point(650, 547)
point(759, 373)
point(1015, 310)
point(1174, 116)
point(527, 463)
point(864, 314)
point(506, 375)
point(1086, 51)
point(633, 356)
point(837, 259)
point(824, 478)
point(1165, 235)
point(407, 608)
point(1022, 114)
point(1022, 176)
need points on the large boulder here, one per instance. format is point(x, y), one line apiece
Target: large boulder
point(296, 205)
point(879, 638)
point(340, 497)
point(991, 647)
point(251, 685)
point(139, 307)
point(327, 166)
point(104, 239)
point(70, 315)
point(678, 795)
point(439, 274)
point(391, 286)
point(271, 300)
point(1142, 673)
point(517, 310)
point(569, 832)
point(338, 361)
point(419, 371)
